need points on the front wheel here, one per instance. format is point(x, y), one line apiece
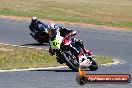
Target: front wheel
point(93, 66)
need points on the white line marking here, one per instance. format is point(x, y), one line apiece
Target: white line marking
point(46, 49)
point(22, 46)
point(31, 69)
point(116, 62)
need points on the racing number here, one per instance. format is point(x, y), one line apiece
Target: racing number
point(55, 43)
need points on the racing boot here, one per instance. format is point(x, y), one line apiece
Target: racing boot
point(59, 60)
point(33, 35)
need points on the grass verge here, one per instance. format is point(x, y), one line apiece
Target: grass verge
point(116, 13)
point(14, 57)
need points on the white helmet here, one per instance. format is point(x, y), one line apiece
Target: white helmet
point(34, 18)
point(53, 26)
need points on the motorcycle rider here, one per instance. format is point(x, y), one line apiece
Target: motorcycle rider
point(65, 32)
point(37, 26)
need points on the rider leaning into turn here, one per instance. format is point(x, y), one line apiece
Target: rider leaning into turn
point(67, 32)
point(34, 26)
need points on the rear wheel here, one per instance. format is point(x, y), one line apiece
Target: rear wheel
point(42, 38)
point(40, 42)
point(71, 62)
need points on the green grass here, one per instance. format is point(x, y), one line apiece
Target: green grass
point(13, 57)
point(103, 59)
point(19, 58)
point(117, 13)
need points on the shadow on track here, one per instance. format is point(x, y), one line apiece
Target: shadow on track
point(36, 44)
point(56, 70)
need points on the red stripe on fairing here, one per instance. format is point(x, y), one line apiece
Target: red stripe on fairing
point(67, 41)
point(80, 54)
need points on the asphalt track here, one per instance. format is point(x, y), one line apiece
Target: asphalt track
point(102, 41)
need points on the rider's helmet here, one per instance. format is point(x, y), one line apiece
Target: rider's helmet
point(34, 19)
point(52, 27)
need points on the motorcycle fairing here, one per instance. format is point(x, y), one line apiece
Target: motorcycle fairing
point(67, 42)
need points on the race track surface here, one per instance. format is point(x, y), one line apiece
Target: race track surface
point(114, 43)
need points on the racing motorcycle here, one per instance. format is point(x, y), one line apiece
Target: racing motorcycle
point(64, 55)
point(40, 36)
